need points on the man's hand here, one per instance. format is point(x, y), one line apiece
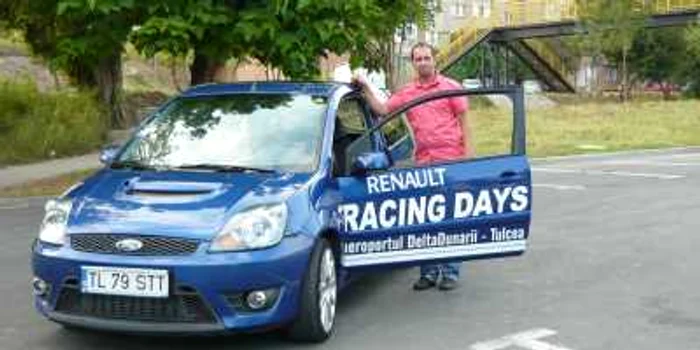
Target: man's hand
point(377, 106)
point(360, 81)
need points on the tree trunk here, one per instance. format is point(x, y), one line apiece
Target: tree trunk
point(623, 92)
point(666, 90)
point(109, 82)
point(235, 69)
point(56, 80)
point(203, 69)
point(174, 72)
point(83, 75)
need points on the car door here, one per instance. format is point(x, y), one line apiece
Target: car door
point(404, 214)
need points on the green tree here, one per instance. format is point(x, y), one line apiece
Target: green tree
point(289, 35)
point(612, 26)
point(691, 69)
point(83, 38)
point(379, 51)
point(481, 63)
point(659, 55)
point(203, 29)
point(86, 38)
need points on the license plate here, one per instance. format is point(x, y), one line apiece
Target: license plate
point(124, 281)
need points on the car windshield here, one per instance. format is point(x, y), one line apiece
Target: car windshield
point(232, 132)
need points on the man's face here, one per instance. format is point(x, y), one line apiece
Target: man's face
point(423, 62)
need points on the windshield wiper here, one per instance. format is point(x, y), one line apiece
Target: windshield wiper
point(224, 168)
point(132, 164)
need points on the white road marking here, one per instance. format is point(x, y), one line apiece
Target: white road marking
point(525, 340)
point(7, 332)
point(649, 163)
point(606, 172)
point(684, 155)
point(15, 206)
point(560, 187)
point(688, 151)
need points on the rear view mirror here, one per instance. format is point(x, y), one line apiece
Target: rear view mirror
point(108, 153)
point(370, 161)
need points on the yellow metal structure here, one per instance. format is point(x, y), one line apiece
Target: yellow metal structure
point(520, 13)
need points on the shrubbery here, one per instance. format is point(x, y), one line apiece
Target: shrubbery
point(36, 125)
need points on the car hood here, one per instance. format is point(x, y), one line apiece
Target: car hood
point(182, 204)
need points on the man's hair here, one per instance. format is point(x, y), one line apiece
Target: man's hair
point(423, 44)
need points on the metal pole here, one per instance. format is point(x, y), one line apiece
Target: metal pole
point(519, 143)
point(507, 53)
point(496, 68)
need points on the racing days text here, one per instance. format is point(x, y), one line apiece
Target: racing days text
point(430, 208)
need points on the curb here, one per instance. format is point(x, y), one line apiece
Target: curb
point(11, 200)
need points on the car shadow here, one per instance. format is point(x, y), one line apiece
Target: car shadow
point(359, 292)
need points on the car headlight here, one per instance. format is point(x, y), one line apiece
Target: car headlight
point(53, 227)
point(256, 228)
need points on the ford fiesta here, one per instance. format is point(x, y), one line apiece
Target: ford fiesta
point(247, 206)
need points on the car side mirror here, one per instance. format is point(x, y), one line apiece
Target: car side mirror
point(370, 161)
point(108, 153)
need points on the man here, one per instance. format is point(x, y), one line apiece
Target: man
point(441, 133)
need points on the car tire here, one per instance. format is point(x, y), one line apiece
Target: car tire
point(318, 297)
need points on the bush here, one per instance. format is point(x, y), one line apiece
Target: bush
point(35, 126)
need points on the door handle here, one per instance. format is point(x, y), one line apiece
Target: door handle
point(508, 174)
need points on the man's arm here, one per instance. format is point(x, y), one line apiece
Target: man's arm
point(467, 132)
point(378, 107)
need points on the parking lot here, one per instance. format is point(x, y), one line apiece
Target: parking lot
point(612, 264)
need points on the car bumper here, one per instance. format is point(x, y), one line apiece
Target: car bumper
point(205, 293)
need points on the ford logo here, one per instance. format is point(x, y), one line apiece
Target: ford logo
point(129, 245)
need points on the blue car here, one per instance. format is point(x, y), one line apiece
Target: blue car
point(248, 206)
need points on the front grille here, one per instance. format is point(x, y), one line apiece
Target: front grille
point(152, 245)
point(184, 307)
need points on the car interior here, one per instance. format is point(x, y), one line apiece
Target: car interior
point(350, 124)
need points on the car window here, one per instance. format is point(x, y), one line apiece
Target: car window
point(395, 131)
point(439, 137)
point(399, 140)
point(350, 124)
point(270, 131)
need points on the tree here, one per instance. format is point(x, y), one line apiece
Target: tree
point(86, 38)
point(612, 26)
point(288, 35)
point(379, 50)
point(83, 38)
point(659, 56)
point(202, 29)
point(482, 62)
point(691, 69)
point(668, 56)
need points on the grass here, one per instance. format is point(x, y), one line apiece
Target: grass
point(46, 187)
point(593, 127)
point(566, 129)
point(41, 125)
point(11, 43)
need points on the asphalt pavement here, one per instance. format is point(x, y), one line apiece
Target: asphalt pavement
point(612, 264)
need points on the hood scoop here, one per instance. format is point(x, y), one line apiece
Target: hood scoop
point(170, 189)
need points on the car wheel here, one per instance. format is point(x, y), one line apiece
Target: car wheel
point(318, 297)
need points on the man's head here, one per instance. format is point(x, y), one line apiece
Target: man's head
point(423, 59)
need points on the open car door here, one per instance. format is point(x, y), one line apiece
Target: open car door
point(460, 210)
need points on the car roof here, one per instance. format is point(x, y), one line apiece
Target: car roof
point(265, 87)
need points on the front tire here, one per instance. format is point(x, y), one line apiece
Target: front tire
point(318, 297)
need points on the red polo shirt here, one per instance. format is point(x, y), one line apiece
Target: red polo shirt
point(436, 125)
